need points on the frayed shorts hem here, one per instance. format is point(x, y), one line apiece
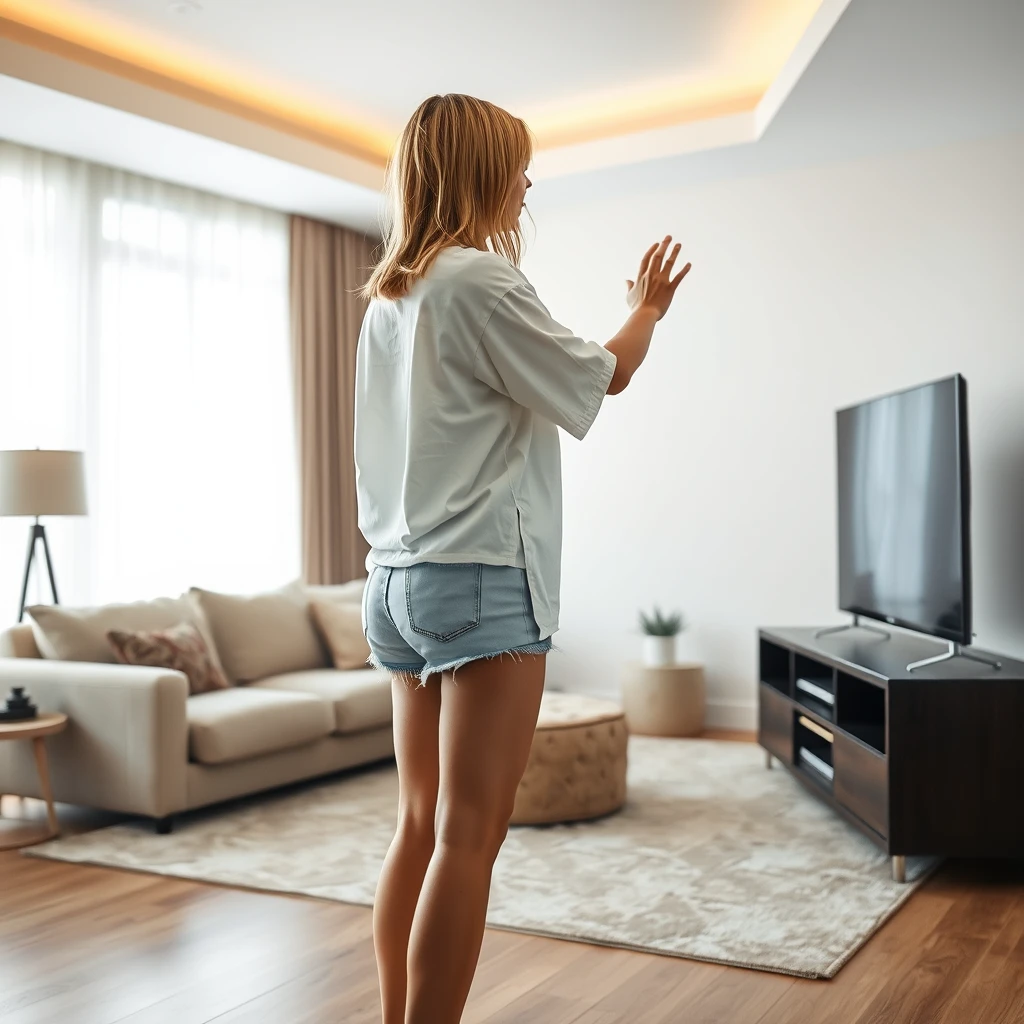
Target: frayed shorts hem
point(425, 671)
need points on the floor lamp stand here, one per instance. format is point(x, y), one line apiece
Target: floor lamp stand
point(38, 534)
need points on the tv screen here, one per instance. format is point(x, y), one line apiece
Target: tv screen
point(904, 509)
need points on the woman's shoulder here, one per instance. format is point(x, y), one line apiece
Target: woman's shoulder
point(477, 271)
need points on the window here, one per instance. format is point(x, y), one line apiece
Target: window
point(147, 324)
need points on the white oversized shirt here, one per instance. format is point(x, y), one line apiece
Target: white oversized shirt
point(459, 387)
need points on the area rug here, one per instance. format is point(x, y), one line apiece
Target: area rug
point(713, 858)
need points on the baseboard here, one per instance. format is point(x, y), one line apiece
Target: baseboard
point(731, 714)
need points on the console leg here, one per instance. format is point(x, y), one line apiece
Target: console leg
point(768, 763)
point(164, 825)
point(899, 869)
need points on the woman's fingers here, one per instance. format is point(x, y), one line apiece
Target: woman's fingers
point(672, 256)
point(682, 273)
point(659, 255)
point(646, 261)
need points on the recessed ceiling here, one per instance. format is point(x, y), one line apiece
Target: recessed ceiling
point(599, 82)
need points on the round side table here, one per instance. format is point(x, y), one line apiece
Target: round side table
point(37, 729)
point(665, 700)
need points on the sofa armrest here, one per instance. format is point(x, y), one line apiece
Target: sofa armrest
point(126, 744)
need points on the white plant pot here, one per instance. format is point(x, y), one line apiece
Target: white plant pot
point(659, 651)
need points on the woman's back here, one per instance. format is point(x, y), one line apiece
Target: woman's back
point(459, 385)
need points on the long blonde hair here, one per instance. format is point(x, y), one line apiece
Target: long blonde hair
point(449, 182)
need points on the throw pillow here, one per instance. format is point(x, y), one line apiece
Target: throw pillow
point(341, 626)
point(264, 634)
point(180, 647)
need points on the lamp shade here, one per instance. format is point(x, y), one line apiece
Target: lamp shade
point(42, 483)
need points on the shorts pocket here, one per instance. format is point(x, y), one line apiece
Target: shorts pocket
point(442, 599)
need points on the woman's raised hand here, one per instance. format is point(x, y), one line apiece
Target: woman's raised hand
point(654, 285)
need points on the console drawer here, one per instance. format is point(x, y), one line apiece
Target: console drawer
point(861, 782)
point(775, 724)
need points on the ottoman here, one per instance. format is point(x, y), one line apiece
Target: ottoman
point(577, 764)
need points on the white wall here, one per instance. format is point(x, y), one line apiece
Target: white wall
point(709, 484)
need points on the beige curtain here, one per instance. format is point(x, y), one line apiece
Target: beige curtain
point(328, 265)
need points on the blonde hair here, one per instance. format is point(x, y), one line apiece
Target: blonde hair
point(449, 182)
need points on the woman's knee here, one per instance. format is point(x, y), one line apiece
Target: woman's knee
point(416, 826)
point(473, 827)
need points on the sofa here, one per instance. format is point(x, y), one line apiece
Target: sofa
point(138, 743)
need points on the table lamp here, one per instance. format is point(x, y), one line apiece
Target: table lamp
point(41, 483)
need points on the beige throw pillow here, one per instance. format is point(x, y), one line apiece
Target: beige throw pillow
point(181, 647)
point(80, 634)
point(341, 625)
point(262, 635)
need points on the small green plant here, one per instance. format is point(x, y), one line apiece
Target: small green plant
point(661, 625)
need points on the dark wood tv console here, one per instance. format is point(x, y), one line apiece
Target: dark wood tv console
point(925, 762)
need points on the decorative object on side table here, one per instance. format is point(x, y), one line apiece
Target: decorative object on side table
point(41, 483)
point(19, 708)
point(660, 632)
point(664, 700)
point(37, 729)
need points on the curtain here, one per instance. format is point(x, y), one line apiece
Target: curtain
point(147, 324)
point(328, 266)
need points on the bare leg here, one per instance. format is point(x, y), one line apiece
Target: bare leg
point(487, 726)
point(416, 717)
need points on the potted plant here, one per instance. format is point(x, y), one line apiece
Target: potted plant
point(660, 633)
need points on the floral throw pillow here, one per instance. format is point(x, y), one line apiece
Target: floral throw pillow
point(180, 647)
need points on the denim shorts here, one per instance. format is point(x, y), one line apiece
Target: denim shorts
point(436, 616)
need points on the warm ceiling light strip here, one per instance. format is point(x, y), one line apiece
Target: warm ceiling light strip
point(121, 53)
point(614, 119)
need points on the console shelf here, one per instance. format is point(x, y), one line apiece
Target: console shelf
point(928, 762)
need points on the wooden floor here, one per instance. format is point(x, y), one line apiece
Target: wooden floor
point(89, 945)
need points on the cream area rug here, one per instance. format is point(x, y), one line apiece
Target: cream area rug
point(713, 857)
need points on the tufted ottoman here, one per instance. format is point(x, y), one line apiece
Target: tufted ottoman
point(577, 765)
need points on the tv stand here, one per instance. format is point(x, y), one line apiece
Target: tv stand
point(856, 624)
point(923, 755)
point(955, 651)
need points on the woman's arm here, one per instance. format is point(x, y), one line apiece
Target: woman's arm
point(650, 297)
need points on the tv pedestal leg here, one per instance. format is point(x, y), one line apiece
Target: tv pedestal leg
point(955, 650)
point(768, 760)
point(857, 624)
point(899, 869)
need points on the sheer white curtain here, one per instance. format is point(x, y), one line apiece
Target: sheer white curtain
point(147, 324)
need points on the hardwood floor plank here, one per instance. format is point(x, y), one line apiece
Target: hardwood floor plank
point(522, 969)
point(890, 952)
point(90, 945)
point(925, 992)
point(994, 992)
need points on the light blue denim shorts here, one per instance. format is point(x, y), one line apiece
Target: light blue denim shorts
point(436, 616)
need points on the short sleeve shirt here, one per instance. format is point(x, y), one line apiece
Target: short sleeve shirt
point(460, 387)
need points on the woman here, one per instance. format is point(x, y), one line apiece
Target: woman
point(462, 378)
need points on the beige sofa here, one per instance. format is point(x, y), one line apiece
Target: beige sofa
point(138, 743)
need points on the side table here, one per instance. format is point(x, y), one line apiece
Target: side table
point(37, 729)
point(664, 700)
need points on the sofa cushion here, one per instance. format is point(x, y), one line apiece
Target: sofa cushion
point(360, 698)
point(263, 634)
point(180, 647)
point(80, 634)
point(345, 593)
point(340, 624)
point(233, 724)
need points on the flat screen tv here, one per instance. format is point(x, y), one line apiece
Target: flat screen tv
point(904, 510)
